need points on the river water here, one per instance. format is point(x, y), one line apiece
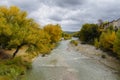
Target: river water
point(66, 64)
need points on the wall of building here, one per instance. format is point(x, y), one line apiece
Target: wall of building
point(114, 23)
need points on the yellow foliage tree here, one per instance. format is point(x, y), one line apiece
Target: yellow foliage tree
point(54, 31)
point(117, 43)
point(107, 40)
point(16, 30)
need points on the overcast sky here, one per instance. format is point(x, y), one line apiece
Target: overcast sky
point(70, 14)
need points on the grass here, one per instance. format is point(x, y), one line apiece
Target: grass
point(13, 69)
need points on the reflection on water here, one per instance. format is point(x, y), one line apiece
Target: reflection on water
point(64, 64)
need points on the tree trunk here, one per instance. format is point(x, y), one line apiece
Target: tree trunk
point(16, 51)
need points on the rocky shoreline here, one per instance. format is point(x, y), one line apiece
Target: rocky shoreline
point(97, 54)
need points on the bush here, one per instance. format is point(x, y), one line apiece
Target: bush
point(116, 46)
point(66, 36)
point(76, 34)
point(13, 68)
point(107, 40)
point(88, 33)
point(74, 42)
point(96, 43)
point(103, 56)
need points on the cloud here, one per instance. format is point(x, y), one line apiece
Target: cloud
point(29, 5)
point(70, 14)
point(63, 3)
point(55, 18)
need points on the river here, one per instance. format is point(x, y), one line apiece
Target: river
point(67, 64)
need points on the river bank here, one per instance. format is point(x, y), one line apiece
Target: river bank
point(67, 63)
point(17, 67)
point(97, 54)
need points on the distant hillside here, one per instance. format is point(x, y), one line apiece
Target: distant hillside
point(69, 32)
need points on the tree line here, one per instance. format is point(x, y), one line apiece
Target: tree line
point(105, 38)
point(17, 30)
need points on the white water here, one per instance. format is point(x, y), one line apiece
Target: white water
point(67, 64)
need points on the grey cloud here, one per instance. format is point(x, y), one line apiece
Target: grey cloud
point(72, 26)
point(55, 18)
point(104, 9)
point(69, 3)
point(71, 14)
point(72, 4)
point(29, 5)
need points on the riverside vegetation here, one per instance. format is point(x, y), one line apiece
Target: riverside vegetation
point(104, 38)
point(66, 36)
point(18, 31)
point(74, 42)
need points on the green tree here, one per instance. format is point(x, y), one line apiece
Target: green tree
point(66, 36)
point(88, 33)
point(96, 43)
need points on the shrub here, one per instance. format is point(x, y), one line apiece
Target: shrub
point(88, 33)
point(66, 36)
point(74, 42)
point(97, 43)
point(76, 34)
point(13, 68)
point(107, 40)
point(103, 56)
point(116, 46)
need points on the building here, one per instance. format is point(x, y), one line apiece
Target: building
point(114, 23)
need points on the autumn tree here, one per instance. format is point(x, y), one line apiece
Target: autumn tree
point(117, 43)
point(107, 40)
point(16, 30)
point(39, 42)
point(54, 31)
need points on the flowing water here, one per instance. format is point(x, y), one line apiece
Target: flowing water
point(66, 64)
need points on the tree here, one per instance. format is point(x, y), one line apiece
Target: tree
point(117, 43)
point(16, 30)
point(88, 33)
point(39, 42)
point(66, 36)
point(107, 40)
point(54, 31)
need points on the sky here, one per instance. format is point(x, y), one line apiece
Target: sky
point(70, 14)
